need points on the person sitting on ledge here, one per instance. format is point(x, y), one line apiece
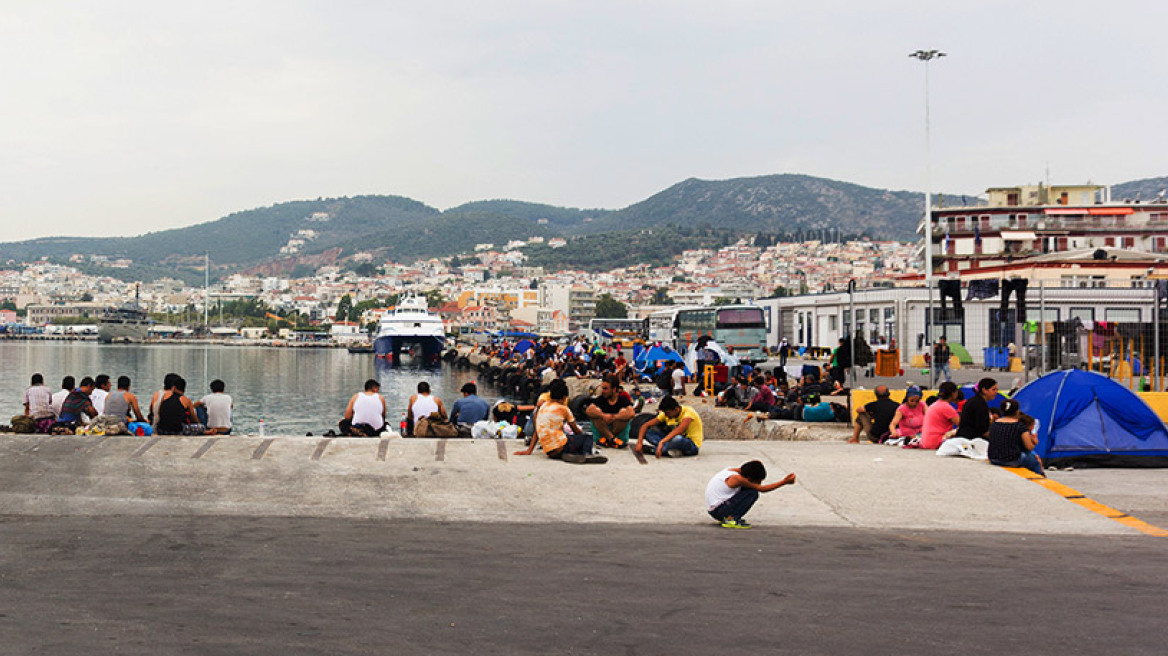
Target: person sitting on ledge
point(420, 406)
point(174, 409)
point(875, 417)
point(910, 416)
point(550, 420)
point(77, 403)
point(610, 413)
point(684, 425)
point(470, 408)
point(1012, 440)
point(365, 414)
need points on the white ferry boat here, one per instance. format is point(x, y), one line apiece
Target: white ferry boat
point(410, 328)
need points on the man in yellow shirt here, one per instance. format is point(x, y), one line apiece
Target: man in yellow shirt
point(676, 431)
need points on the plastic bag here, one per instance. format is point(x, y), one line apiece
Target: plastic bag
point(483, 430)
point(974, 449)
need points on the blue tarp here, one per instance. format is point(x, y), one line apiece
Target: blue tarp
point(968, 391)
point(523, 346)
point(1082, 413)
point(646, 361)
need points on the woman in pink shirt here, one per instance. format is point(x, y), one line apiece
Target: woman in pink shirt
point(910, 416)
point(942, 418)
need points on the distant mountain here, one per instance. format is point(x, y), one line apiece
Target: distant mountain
point(563, 219)
point(1143, 190)
point(244, 237)
point(779, 204)
point(396, 228)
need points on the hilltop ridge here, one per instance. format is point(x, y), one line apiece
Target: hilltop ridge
point(395, 228)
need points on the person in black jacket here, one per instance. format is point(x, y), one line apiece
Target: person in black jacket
point(873, 419)
point(975, 414)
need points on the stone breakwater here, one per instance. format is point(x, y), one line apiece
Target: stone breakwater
point(718, 423)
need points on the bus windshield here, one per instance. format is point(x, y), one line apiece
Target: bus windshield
point(740, 318)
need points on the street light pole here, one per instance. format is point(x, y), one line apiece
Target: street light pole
point(926, 56)
point(852, 331)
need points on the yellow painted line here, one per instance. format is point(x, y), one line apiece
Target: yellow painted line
point(1078, 498)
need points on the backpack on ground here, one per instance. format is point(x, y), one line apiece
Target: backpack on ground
point(636, 423)
point(435, 425)
point(23, 424)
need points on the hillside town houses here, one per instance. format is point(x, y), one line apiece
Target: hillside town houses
point(490, 289)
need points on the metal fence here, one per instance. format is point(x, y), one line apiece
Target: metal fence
point(1116, 328)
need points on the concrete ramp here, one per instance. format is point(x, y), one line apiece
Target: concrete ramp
point(462, 480)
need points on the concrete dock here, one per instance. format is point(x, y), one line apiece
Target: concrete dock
point(839, 485)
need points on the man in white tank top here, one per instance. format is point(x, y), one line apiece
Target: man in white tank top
point(365, 414)
point(732, 492)
point(421, 405)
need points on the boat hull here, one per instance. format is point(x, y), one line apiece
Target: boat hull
point(109, 332)
point(392, 347)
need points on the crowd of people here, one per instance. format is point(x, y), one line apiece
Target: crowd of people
point(93, 406)
point(571, 430)
point(1010, 434)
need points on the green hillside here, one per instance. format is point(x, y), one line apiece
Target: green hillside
point(244, 237)
point(446, 234)
point(562, 219)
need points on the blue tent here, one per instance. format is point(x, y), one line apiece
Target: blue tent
point(968, 392)
point(1088, 417)
point(523, 346)
point(646, 361)
point(638, 349)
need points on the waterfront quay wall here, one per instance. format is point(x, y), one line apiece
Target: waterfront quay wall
point(718, 423)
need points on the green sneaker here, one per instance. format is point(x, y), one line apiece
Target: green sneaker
point(730, 522)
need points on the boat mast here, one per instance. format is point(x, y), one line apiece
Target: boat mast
point(206, 285)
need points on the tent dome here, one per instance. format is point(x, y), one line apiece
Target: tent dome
point(1087, 417)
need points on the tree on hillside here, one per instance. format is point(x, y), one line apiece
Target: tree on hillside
point(608, 307)
point(359, 308)
point(661, 296)
point(434, 298)
point(344, 307)
point(780, 291)
point(723, 300)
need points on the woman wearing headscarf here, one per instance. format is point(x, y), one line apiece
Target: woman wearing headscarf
point(910, 416)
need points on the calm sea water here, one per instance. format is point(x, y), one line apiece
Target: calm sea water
point(295, 391)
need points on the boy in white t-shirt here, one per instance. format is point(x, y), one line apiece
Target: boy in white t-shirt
point(219, 407)
point(731, 493)
point(678, 378)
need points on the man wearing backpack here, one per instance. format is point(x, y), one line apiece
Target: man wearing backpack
point(664, 378)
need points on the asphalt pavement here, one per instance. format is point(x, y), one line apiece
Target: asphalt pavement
point(157, 586)
point(298, 545)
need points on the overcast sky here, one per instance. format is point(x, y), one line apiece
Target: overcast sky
point(118, 118)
